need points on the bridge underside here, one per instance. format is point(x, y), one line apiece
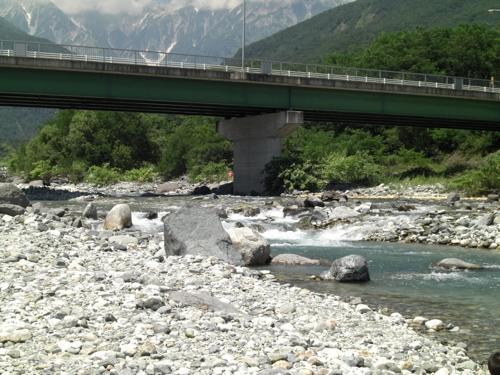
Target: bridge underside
point(352, 118)
point(99, 86)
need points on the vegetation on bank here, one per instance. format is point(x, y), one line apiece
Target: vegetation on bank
point(465, 160)
point(103, 147)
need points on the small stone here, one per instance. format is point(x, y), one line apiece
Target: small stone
point(13, 353)
point(363, 309)
point(109, 318)
point(128, 350)
point(442, 371)
point(435, 324)
point(190, 333)
point(285, 365)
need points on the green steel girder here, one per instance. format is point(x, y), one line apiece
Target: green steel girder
point(161, 93)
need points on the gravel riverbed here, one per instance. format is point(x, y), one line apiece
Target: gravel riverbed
point(72, 302)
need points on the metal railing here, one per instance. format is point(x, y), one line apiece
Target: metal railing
point(163, 59)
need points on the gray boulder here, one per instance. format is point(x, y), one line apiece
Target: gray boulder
point(36, 184)
point(254, 249)
point(332, 195)
point(11, 209)
point(11, 194)
point(294, 260)
point(118, 218)
point(90, 211)
point(312, 202)
point(203, 301)
point(168, 187)
point(452, 198)
point(198, 231)
point(352, 268)
point(456, 264)
point(486, 220)
point(323, 217)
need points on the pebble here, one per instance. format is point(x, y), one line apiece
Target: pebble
point(79, 310)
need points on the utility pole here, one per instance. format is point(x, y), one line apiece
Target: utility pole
point(244, 36)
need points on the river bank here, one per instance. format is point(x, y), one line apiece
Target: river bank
point(75, 303)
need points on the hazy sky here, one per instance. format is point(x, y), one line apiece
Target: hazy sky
point(136, 6)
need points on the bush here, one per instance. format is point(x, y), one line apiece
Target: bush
point(356, 169)
point(41, 170)
point(77, 171)
point(483, 180)
point(144, 174)
point(102, 175)
point(210, 172)
point(289, 174)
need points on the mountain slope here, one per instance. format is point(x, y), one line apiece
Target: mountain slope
point(353, 25)
point(19, 124)
point(10, 32)
point(160, 27)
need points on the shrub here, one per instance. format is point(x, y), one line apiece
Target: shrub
point(42, 170)
point(483, 180)
point(289, 173)
point(77, 171)
point(356, 169)
point(102, 175)
point(144, 174)
point(210, 172)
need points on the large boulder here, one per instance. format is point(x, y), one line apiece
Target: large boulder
point(456, 264)
point(168, 187)
point(254, 249)
point(486, 220)
point(11, 209)
point(118, 218)
point(224, 189)
point(352, 268)
point(294, 260)
point(332, 195)
point(452, 198)
point(198, 231)
point(11, 194)
point(322, 217)
point(311, 202)
point(202, 190)
point(90, 211)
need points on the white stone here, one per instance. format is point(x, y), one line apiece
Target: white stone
point(362, 309)
point(434, 324)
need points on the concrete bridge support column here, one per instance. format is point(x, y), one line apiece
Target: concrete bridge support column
point(257, 140)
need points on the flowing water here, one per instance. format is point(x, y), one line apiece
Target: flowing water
point(401, 277)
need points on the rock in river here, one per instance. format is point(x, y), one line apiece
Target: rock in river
point(11, 194)
point(352, 268)
point(294, 260)
point(457, 264)
point(198, 231)
point(11, 209)
point(254, 249)
point(118, 218)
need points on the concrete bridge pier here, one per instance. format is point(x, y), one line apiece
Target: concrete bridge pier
point(257, 140)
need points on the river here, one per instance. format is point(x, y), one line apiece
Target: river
point(401, 277)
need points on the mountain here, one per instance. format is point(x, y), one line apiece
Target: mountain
point(354, 25)
point(19, 124)
point(160, 26)
point(10, 32)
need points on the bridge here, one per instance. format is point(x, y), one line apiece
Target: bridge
point(260, 103)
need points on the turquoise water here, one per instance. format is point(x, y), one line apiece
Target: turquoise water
point(402, 281)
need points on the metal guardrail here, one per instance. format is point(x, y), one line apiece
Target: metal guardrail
point(163, 59)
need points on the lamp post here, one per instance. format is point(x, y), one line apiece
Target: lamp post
point(244, 36)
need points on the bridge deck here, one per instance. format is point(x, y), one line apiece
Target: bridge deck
point(46, 82)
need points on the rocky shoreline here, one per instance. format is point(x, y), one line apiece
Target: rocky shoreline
point(75, 303)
